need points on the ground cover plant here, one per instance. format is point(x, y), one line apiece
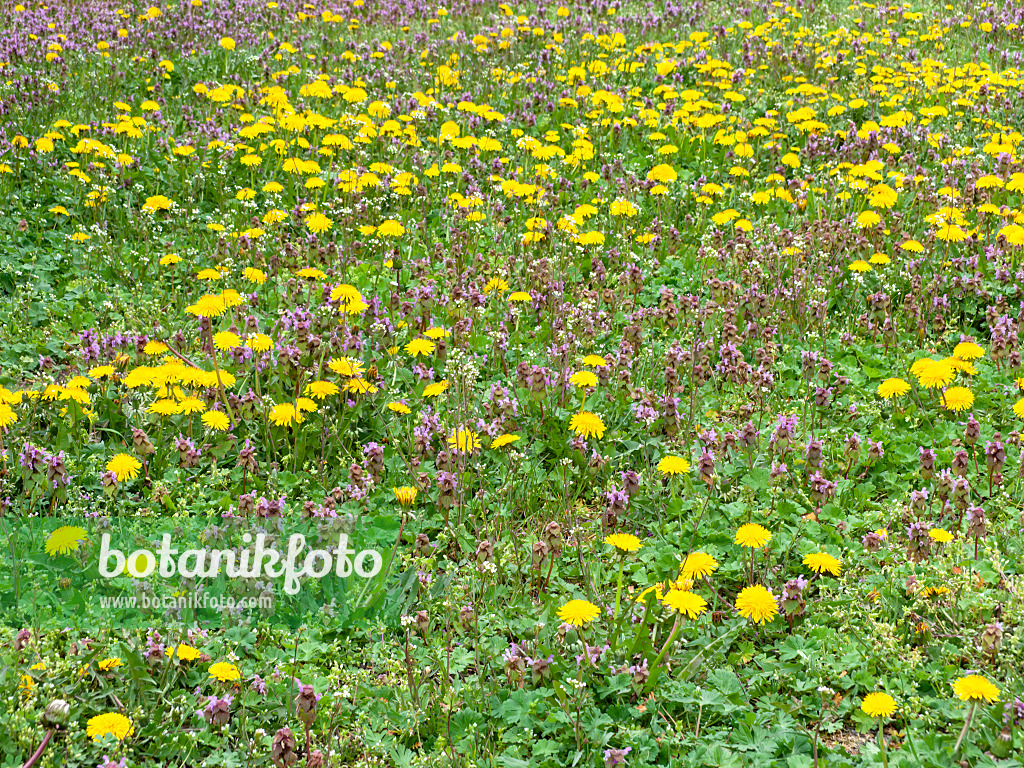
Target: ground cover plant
point(668, 354)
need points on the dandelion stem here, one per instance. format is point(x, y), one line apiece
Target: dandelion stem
point(967, 726)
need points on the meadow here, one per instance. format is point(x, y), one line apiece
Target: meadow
point(668, 353)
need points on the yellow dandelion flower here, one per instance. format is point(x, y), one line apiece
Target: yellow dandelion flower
point(975, 688)
point(957, 399)
point(464, 440)
point(435, 389)
point(753, 535)
point(216, 420)
point(878, 704)
point(674, 465)
point(109, 724)
point(698, 565)
point(757, 603)
point(282, 414)
point(587, 424)
point(406, 495)
point(968, 350)
point(891, 388)
point(686, 602)
point(626, 542)
point(578, 612)
point(226, 340)
point(64, 540)
point(420, 347)
point(823, 562)
point(225, 672)
point(124, 466)
point(322, 389)
point(583, 379)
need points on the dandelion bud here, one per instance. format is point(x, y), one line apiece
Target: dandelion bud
point(282, 750)
point(56, 713)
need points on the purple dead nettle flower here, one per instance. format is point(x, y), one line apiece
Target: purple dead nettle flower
point(784, 432)
point(961, 463)
point(919, 500)
point(920, 542)
point(822, 489)
point(630, 481)
point(1013, 712)
point(258, 685)
point(613, 757)
point(928, 457)
point(217, 711)
point(976, 523)
point(792, 600)
point(875, 452)
point(540, 667)
point(306, 702)
point(706, 466)
point(813, 453)
point(972, 431)
point(593, 654)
